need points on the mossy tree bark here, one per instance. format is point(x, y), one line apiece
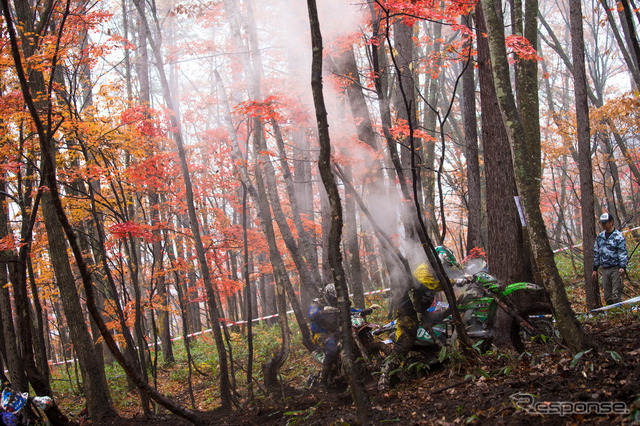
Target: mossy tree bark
point(527, 183)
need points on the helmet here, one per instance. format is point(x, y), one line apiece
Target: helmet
point(330, 295)
point(425, 276)
point(447, 258)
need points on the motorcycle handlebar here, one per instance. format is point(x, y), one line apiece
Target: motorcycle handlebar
point(459, 282)
point(384, 329)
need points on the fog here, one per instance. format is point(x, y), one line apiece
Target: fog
point(200, 39)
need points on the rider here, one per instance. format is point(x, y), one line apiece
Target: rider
point(323, 315)
point(420, 298)
point(417, 298)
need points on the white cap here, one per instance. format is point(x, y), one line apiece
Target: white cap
point(606, 217)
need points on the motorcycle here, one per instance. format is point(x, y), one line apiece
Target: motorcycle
point(370, 350)
point(20, 408)
point(479, 298)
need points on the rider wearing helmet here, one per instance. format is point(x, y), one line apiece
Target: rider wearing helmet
point(416, 298)
point(419, 298)
point(447, 258)
point(323, 315)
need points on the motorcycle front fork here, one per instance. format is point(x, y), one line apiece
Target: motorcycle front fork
point(526, 326)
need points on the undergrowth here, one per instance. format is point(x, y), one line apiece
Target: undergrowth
point(173, 378)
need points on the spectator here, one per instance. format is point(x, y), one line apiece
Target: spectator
point(610, 256)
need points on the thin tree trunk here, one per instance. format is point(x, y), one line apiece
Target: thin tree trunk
point(428, 168)
point(353, 247)
point(225, 386)
point(259, 195)
point(164, 327)
point(305, 240)
point(299, 249)
point(11, 353)
point(628, 58)
point(584, 151)
point(248, 298)
point(358, 392)
point(282, 282)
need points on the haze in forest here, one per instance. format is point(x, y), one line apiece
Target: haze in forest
point(161, 175)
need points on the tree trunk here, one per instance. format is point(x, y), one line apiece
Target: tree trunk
point(282, 282)
point(629, 55)
point(335, 256)
point(95, 383)
point(193, 293)
point(304, 193)
point(429, 179)
point(225, 386)
point(345, 65)
point(39, 346)
point(353, 247)
point(249, 302)
point(505, 251)
point(304, 239)
point(471, 153)
point(584, 152)
point(528, 187)
point(10, 350)
point(94, 379)
point(259, 193)
point(271, 186)
point(138, 314)
point(405, 103)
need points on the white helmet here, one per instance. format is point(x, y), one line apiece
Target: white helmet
point(330, 295)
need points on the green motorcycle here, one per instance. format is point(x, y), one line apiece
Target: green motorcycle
point(480, 299)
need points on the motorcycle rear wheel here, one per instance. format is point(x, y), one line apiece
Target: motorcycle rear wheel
point(542, 321)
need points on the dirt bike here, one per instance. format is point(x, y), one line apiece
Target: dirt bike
point(479, 298)
point(22, 409)
point(370, 350)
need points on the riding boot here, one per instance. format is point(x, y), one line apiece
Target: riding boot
point(324, 376)
point(384, 383)
point(390, 368)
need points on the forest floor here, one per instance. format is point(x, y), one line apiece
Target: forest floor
point(545, 385)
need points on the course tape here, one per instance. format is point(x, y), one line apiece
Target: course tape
point(634, 300)
point(580, 245)
point(227, 322)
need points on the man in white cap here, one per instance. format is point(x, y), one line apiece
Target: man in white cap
point(610, 256)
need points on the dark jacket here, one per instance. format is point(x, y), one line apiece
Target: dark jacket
point(323, 318)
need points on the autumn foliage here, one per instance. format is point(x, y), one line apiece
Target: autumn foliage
point(122, 184)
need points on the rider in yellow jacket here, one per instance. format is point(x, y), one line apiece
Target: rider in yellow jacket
point(416, 298)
